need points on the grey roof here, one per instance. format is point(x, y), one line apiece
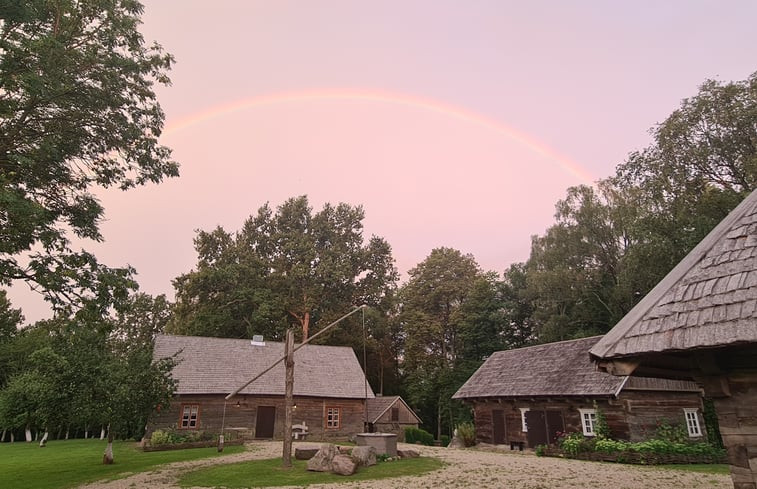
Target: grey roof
point(221, 365)
point(708, 300)
point(561, 369)
point(376, 407)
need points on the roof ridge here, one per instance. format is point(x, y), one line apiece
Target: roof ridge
point(574, 340)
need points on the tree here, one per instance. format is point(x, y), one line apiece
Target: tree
point(77, 111)
point(288, 268)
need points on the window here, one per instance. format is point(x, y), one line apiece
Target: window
point(523, 425)
point(588, 418)
point(395, 414)
point(692, 422)
point(189, 415)
point(333, 417)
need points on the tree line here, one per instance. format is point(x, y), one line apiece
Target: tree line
point(76, 115)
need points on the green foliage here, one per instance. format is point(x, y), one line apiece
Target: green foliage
point(445, 439)
point(671, 431)
point(173, 437)
point(540, 450)
point(601, 428)
point(712, 423)
point(269, 473)
point(78, 112)
point(575, 443)
point(417, 435)
point(71, 463)
point(467, 433)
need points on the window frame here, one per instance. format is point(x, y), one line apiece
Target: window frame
point(523, 425)
point(691, 418)
point(192, 407)
point(588, 421)
point(330, 410)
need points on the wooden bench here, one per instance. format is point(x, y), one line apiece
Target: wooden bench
point(519, 444)
point(299, 431)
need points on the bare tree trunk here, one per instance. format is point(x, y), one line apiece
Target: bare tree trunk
point(13, 437)
point(67, 431)
point(28, 433)
point(102, 432)
point(305, 326)
point(86, 431)
point(108, 455)
point(43, 441)
point(288, 397)
point(2, 440)
point(439, 419)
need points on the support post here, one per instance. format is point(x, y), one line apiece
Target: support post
point(288, 397)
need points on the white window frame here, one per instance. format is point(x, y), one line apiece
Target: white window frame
point(691, 416)
point(523, 425)
point(588, 421)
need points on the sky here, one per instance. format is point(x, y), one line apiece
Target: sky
point(456, 124)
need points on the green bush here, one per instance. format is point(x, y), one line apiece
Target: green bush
point(418, 435)
point(467, 433)
point(445, 440)
point(671, 431)
point(160, 437)
point(540, 450)
point(575, 443)
point(170, 437)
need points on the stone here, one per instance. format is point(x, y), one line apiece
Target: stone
point(343, 465)
point(364, 456)
point(305, 453)
point(409, 453)
point(321, 461)
point(456, 442)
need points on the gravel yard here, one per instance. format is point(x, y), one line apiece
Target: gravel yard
point(471, 468)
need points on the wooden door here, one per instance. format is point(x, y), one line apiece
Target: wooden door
point(498, 427)
point(537, 428)
point(265, 421)
point(555, 424)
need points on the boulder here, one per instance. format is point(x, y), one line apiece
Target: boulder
point(364, 456)
point(304, 453)
point(456, 442)
point(409, 453)
point(321, 461)
point(343, 465)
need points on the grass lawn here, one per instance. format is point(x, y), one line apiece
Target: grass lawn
point(63, 464)
point(261, 473)
point(703, 468)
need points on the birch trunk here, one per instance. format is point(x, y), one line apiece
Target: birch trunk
point(2, 440)
point(13, 437)
point(28, 433)
point(102, 432)
point(43, 441)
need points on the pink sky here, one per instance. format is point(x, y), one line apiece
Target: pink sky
point(454, 124)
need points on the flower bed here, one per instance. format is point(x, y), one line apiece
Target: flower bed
point(643, 458)
point(188, 444)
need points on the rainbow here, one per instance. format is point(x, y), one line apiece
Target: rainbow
point(400, 99)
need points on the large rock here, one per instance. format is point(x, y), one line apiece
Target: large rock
point(409, 453)
point(305, 453)
point(343, 465)
point(321, 461)
point(364, 456)
point(456, 442)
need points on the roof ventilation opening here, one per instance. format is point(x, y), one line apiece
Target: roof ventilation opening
point(257, 340)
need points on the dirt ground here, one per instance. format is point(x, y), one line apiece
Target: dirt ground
point(471, 468)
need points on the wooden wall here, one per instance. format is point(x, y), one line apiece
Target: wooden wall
point(406, 420)
point(633, 416)
point(241, 420)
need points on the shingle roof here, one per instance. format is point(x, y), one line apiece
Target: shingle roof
point(559, 369)
point(221, 365)
point(376, 407)
point(708, 300)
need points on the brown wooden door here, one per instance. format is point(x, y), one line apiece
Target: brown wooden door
point(498, 427)
point(265, 421)
point(537, 428)
point(555, 424)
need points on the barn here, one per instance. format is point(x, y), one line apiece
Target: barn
point(391, 414)
point(330, 390)
point(700, 323)
point(526, 396)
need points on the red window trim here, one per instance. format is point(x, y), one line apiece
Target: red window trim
point(338, 419)
point(181, 417)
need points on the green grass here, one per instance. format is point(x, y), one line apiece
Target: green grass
point(703, 468)
point(265, 473)
point(63, 464)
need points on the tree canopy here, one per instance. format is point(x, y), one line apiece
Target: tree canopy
point(77, 112)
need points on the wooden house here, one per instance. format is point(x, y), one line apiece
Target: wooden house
point(391, 414)
point(330, 390)
point(700, 323)
point(524, 397)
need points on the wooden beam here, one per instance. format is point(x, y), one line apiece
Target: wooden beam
point(618, 367)
point(288, 396)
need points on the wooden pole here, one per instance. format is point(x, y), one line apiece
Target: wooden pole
point(288, 398)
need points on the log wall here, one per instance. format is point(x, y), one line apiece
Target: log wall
point(241, 420)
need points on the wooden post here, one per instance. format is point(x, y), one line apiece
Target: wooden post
point(288, 395)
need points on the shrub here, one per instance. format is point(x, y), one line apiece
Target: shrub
point(445, 440)
point(418, 435)
point(467, 433)
point(160, 437)
point(540, 450)
point(575, 443)
point(671, 431)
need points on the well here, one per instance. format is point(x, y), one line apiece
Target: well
point(382, 442)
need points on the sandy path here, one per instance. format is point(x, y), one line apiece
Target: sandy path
point(466, 468)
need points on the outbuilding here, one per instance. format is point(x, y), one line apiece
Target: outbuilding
point(391, 414)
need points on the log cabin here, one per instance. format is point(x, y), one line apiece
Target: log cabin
point(700, 323)
point(391, 414)
point(526, 396)
point(330, 389)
